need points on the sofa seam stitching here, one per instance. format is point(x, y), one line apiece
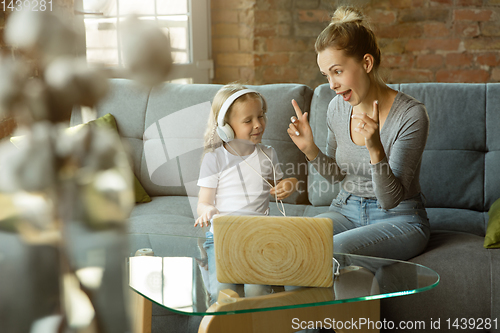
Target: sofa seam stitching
point(485, 143)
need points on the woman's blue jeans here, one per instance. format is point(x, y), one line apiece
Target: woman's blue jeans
point(362, 227)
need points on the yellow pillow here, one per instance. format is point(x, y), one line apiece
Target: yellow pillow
point(108, 121)
point(492, 238)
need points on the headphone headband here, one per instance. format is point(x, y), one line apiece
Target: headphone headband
point(227, 104)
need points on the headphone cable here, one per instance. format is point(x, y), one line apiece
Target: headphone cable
point(274, 176)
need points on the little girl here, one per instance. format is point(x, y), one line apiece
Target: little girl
point(237, 171)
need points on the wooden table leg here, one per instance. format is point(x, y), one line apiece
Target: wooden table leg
point(292, 320)
point(142, 311)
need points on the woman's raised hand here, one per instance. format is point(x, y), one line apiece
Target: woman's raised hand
point(301, 134)
point(369, 128)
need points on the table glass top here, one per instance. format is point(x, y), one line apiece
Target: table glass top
point(180, 282)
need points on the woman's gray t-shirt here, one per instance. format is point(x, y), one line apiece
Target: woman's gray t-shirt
point(403, 137)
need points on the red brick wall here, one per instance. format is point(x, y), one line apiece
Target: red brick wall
point(421, 40)
point(284, 40)
point(439, 40)
point(233, 40)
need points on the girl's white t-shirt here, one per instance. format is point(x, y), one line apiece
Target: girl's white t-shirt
point(240, 190)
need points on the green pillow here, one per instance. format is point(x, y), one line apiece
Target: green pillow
point(105, 121)
point(492, 238)
point(109, 121)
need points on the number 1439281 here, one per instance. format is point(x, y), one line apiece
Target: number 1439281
point(32, 5)
point(472, 323)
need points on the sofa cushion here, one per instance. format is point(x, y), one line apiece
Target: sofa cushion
point(454, 154)
point(108, 121)
point(280, 110)
point(165, 205)
point(171, 215)
point(176, 119)
point(492, 159)
point(453, 178)
point(175, 123)
point(126, 101)
point(164, 128)
point(450, 219)
point(320, 191)
point(450, 130)
point(290, 209)
point(454, 219)
point(466, 286)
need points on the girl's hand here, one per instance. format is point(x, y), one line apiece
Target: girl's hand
point(204, 219)
point(284, 188)
point(369, 128)
point(206, 208)
point(301, 134)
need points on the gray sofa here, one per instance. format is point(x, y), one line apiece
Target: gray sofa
point(459, 178)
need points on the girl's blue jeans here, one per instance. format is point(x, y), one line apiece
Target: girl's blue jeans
point(362, 227)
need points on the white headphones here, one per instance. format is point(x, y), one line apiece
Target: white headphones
point(224, 130)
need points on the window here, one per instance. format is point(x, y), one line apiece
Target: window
point(186, 22)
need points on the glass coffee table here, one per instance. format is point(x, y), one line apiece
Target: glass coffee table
point(178, 280)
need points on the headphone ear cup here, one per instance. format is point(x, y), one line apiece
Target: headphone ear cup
point(225, 132)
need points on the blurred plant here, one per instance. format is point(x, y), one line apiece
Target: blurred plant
point(146, 51)
point(69, 188)
point(40, 35)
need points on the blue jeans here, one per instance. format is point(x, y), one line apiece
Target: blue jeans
point(247, 290)
point(362, 227)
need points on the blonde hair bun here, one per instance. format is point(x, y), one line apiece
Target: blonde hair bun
point(346, 14)
point(350, 32)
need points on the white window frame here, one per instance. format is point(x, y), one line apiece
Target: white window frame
point(200, 68)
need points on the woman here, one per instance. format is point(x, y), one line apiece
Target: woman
point(376, 137)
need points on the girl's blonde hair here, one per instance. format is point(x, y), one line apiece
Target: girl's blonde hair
point(212, 139)
point(349, 31)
